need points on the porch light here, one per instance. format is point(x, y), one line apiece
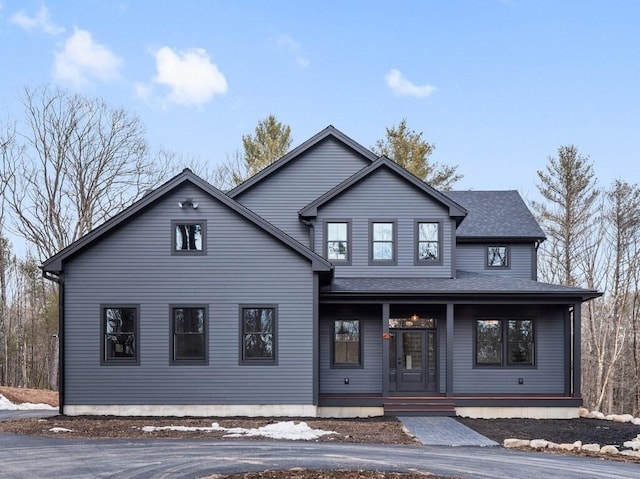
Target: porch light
point(415, 317)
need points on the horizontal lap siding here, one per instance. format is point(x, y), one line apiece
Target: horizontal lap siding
point(472, 257)
point(279, 198)
point(243, 265)
point(546, 378)
point(383, 195)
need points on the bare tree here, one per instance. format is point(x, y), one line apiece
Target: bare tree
point(77, 163)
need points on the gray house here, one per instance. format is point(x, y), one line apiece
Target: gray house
point(332, 283)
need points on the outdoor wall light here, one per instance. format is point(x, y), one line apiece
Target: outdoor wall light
point(189, 203)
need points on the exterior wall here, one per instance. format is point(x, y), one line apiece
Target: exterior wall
point(365, 379)
point(243, 265)
point(279, 198)
point(472, 257)
point(546, 377)
point(385, 196)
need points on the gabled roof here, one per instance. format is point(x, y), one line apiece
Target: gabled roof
point(455, 210)
point(496, 214)
point(54, 264)
point(464, 284)
point(329, 131)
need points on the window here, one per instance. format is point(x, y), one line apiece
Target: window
point(504, 342)
point(258, 334)
point(497, 257)
point(337, 235)
point(189, 334)
point(120, 333)
point(188, 237)
point(428, 242)
point(346, 342)
point(383, 242)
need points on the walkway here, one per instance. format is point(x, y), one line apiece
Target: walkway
point(443, 431)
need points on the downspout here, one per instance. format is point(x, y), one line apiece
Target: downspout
point(58, 278)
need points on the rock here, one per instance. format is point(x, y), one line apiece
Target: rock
point(622, 418)
point(553, 445)
point(583, 412)
point(590, 448)
point(609, 450)
point(635, 445)
point(609, 417)
point(538, 444)
point(595, 415)
point(630, 453)
point(516, 443)
point(636, 421)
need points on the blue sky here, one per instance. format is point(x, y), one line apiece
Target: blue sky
point(497, 85)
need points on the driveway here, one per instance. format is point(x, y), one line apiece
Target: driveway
point(10, 414)
point(24, 457)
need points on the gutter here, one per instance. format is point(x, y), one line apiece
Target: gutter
point(59, 279)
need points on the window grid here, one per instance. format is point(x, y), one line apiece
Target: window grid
point(383, 241)
point(337, 237)
point(428, 241)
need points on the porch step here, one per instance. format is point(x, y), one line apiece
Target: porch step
point(410, 406)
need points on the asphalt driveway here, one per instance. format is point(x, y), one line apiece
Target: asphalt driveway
point(24, 457)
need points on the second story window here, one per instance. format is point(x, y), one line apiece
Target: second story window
point(338, 244)
point(188, 237)
point(428, 242)
point(383, 242)
point(497, 257)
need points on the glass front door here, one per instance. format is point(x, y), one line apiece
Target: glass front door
point(412, 360)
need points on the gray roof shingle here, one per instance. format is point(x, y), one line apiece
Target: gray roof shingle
point(495, 214)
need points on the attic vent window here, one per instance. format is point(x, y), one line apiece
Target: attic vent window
point(188, 237)
point(497, 257)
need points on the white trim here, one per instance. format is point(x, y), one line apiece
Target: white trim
point(518, 412)
point(201, 410)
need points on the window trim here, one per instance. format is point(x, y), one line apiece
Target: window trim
point(486, 257)
point(172, 335)
point(416, 243)
point(104, 361)
point(257, 361)
point(383, 262)
point(178, 252)
point(325, 236)
point(505, 364)
point(334, 364)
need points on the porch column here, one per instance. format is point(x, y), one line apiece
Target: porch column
point(577, 351)
point(385, 349)
point(449, 386)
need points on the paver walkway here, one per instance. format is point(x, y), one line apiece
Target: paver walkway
point(443, 431)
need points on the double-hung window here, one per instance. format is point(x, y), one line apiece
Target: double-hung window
point(497, 257)
point(189, 328)
point(346, 343)
point(120, 327)
point(504, 342)
point(188, 237)
point(258, 330)
point(383, 237)
point(428, 242)
point(338, 241)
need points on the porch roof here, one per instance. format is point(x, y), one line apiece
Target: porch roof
point(464, 284)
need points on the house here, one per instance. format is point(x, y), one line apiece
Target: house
point(332, 283)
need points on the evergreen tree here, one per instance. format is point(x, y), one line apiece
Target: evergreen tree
point(269, 142)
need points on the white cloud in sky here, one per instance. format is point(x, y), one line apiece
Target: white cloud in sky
point(82, 59)
point(402, 86)
point(40, 21)
point(190, 76)
point(287, 43)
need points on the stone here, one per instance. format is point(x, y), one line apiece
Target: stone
point(630, 453)
point(595, 415)
point(622, 418)
point(553, 445)
point(538, 444)
point(636, 421)
point(635, 445)
point(583, 412)
point(516, 443)
point(590, 447)
point(613, 450)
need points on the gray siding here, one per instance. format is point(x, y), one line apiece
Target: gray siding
point(279, 198)
point(383, 195)
point(546, 378)
point(243, 265)
point(472, 257)
point(366, 379)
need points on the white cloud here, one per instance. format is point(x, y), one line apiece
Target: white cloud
point(287, 43)
point(40, 21)
point(190, 76)
point(82, 59)
point(402, 86)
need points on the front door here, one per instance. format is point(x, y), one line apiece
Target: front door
point(414, 354)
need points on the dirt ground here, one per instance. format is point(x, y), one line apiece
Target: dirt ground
point(385, 430)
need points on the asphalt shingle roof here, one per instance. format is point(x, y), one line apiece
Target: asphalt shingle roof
point(495, 214)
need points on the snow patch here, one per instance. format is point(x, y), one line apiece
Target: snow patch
point(7, 405)
point(60, 429)
point(281, 430)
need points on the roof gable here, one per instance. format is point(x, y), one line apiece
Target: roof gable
point(455, 210)
point(328, 132)
point(54, 264)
